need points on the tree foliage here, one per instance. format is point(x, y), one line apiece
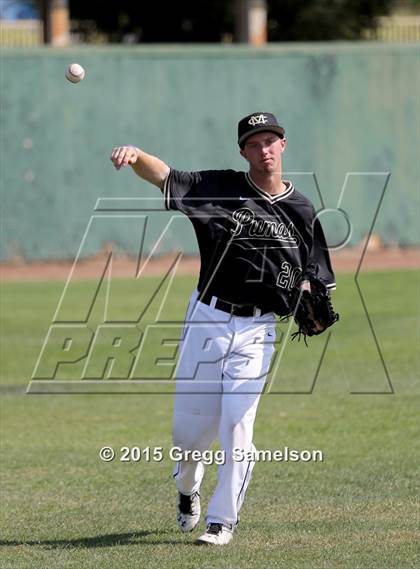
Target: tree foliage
point(177, 21)
point(213, 20)
point(318, 20)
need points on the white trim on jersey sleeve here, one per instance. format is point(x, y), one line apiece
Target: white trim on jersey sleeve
point(331, 286)
point(166, 192)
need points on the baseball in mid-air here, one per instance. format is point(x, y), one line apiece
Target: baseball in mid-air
point(75, 73)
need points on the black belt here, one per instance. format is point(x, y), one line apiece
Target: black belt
point(234, 309)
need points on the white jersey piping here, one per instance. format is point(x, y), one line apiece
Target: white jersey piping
point(269, 197)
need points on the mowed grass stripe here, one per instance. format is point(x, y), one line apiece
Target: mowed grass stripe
point(63, 507)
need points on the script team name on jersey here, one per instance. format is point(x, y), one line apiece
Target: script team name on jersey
point(248, 226)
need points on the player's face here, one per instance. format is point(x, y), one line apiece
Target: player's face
point(263, 152)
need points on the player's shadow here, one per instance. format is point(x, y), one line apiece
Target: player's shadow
point(108, 540)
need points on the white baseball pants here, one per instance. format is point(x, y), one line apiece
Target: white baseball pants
point(220, 375)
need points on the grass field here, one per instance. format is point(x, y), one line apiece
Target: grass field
point(62, 507)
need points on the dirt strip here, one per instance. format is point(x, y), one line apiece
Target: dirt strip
point(346, 260)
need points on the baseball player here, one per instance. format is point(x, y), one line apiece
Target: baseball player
point(259, 239)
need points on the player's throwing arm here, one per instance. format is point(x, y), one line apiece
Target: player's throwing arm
point(148, 167)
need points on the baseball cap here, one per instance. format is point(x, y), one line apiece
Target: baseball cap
point(257, 122)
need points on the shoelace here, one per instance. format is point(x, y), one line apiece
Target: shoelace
point(186, 504)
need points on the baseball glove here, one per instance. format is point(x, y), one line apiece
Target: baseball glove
point(312, 309)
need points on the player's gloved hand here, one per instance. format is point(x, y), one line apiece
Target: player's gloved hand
point(312, 308)
point(124, 156)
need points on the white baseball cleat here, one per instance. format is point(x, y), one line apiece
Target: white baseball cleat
point(216, 534)
point(189, 511)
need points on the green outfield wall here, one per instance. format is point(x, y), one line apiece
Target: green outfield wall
point(351, 114)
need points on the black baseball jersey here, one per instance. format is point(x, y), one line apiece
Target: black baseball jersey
point(254, 246)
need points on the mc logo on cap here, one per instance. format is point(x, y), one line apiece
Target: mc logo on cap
point(257, 122)
point(257, 119)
